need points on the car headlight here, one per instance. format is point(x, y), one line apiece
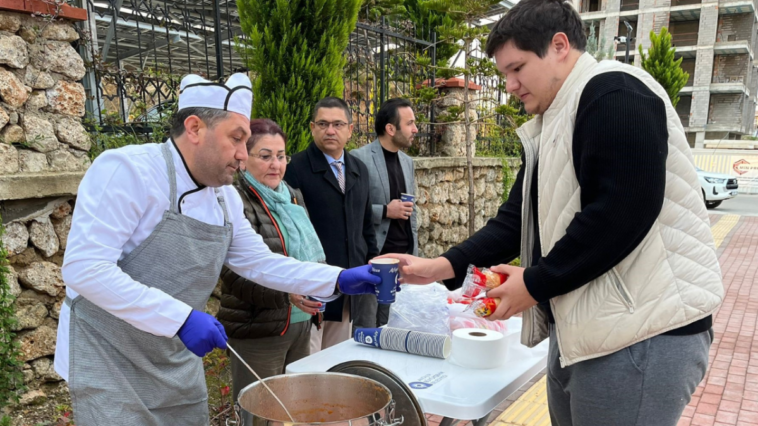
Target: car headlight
point(714, 180)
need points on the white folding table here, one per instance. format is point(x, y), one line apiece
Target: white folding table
point(441, 387)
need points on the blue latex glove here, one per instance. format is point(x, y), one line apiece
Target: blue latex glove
point(358, 280)
point(201, 333)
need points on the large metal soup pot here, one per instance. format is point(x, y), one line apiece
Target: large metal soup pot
point(333, 399)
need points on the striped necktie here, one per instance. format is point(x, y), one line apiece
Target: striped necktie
point(340, 175)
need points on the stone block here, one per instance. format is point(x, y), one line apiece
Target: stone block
point(42, 235)
point(62, 228)
point(8, 159)
point(13, 51)
point(30, 314)
point(43, 276)
point(32, 161)
point(12, 91)
point(13, 134)
point(10, 21)
point(67, 98)
point(71, 131)
point(16, 238)
point(37, 343)
point(15, 288)
point(45, 370)
point(60, 32)
point(37, 79)
point(59, 57)
point(37, 100)
point(28, 33)
point(61, 210)
point(39, 133)
point(63, 160)
point(25, 258)
point(4, 118)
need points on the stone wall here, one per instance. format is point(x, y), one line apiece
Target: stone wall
point(41, 101)
point(43, 153)
point(443, 195)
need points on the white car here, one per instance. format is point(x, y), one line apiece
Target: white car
point(716, 187)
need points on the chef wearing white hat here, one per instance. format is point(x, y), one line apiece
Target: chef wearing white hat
point(152, 227)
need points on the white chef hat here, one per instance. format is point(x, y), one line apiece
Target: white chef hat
point(235, 96)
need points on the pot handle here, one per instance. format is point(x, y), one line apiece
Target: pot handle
point(391, 414)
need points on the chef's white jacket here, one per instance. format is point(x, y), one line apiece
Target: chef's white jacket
point(121, 199)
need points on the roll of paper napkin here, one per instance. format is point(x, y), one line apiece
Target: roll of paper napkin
point(478, 348)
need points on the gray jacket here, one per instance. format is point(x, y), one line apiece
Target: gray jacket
point(379, 193)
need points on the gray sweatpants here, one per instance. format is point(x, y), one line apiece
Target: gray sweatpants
point(646, 384)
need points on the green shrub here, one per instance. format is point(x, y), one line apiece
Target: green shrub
point(11, 374)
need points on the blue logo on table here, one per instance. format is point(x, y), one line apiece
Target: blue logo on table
point(419, 385)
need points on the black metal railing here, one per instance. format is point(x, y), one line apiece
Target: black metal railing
point(139, 49)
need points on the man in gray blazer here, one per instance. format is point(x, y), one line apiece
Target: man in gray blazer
point(390, 175)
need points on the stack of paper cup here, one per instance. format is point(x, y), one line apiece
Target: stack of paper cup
point(412, 342)
point(477, 348)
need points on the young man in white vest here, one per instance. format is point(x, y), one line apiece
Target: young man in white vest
point(621, 272)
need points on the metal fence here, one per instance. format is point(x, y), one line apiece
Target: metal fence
point(382, 64)
point(139, 49)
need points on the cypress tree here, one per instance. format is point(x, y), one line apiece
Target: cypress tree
point(296, 53)
point(660, 63)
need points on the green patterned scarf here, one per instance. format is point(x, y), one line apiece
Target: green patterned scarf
point(303, 242)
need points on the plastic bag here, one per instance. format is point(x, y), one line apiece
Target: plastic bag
point(478, 281)
point(462, 316)
point(421, 308)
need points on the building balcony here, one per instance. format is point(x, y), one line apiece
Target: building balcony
point(690, 12)
point(728, 84)
point(627, 5)
point(675, 3)
point(731, 7)
point(737, 47)
point(726, 127)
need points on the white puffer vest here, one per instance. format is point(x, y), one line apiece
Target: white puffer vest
point(671, 279)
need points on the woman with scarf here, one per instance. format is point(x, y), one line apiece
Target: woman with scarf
point(269, 328)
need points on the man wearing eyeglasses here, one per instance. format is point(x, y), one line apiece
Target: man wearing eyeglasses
point(335, 187)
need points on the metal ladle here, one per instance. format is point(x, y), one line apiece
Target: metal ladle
point(262, 382)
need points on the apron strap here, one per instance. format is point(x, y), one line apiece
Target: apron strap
point(173, 206)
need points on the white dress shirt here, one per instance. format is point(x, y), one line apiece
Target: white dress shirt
point(121, 199)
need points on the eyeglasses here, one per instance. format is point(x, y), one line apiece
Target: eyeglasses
point(324, 125)
point(267, 158)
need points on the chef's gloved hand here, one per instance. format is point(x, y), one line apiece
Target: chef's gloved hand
point(202, 333)
point(358, 280)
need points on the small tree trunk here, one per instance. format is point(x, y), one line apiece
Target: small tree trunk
point(469, 143)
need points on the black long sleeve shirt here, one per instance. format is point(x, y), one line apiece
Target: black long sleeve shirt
point(620, 146)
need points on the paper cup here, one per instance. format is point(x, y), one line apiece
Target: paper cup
point(412, 342)
point(407, 198)
point(387, 270)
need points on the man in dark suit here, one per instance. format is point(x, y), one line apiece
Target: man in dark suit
point(335, 187)
point(391, 175)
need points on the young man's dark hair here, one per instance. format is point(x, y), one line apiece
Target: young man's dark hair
point(388, 114)
point(332, 102)
point(532, 24)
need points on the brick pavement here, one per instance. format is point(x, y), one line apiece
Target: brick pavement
point(729, 393)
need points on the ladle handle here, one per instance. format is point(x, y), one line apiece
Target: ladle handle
point(292, 419)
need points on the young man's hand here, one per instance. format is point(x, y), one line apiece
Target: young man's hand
point(417, 270)
point(514, 297)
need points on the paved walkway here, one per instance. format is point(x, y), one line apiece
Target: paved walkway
point(729, 393)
